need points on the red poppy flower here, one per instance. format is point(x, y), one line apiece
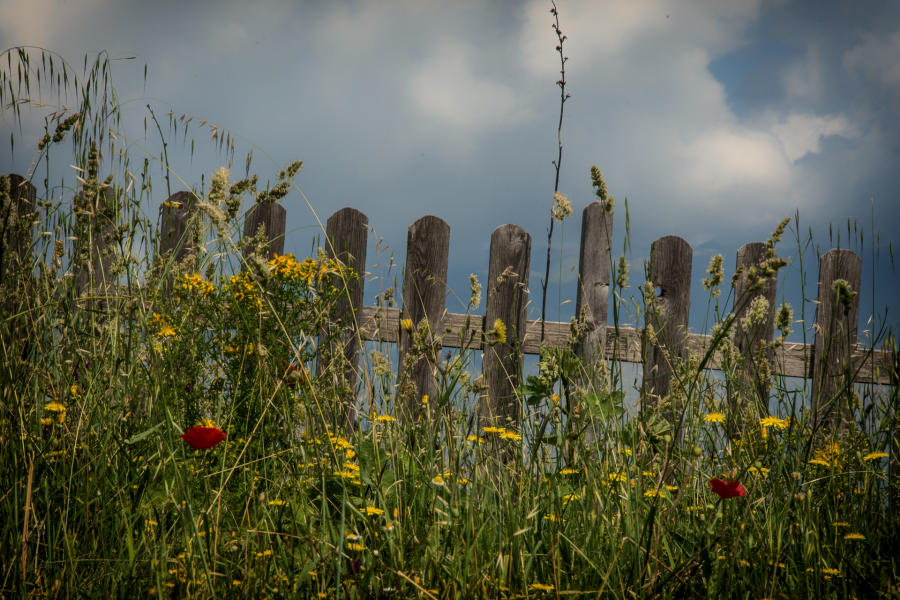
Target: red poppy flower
point(292, 374)
point(201, 438)
point(727, 489)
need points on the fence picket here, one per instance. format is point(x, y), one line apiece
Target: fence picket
point(667, 315)
point(273, 218)
point(837, 318)
point(753, 341)
point(506, 289)
point(173, 234)
point(592, 301)
point(424, 295)
point(347, 235)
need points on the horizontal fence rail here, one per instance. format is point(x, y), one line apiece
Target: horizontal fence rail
point(380, 324)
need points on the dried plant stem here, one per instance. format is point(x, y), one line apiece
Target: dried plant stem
point(557, 163)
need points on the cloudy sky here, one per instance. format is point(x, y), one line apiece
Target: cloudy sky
point(715, 119)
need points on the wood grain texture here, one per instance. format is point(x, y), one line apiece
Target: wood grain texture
point(273, 218)
point(173, 234)
point(347, 235)
point(750, 341)
point(836, 333)
point(506, 289)
point(94, 276)
point(424, 295)
point(791, 360)
point(670, 271)
point(16, 226)
point(592, 301)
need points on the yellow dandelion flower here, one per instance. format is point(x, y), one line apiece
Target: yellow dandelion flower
point(510, 435)
point(554, 518)
point(475, 438)
point(714, 417)
point(166, 331)
point(854, 536)
point(671, 488)
point(570, 498)
point(356, 547)
point(775, 422)
point(385, 419)
point(462, 481)
point(829, 571)
point(500, 331)
point(438, 480)
point(494, 429)
point(372, 511)
point(406, 324)
point(55, 407)
point(653, 493)
point(277, 503)
point(568, 471)
point(875, 455)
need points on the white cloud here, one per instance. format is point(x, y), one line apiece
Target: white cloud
point(804, 79)
point(801, 134)
point(444, 87)
point(723, 160)
point(878, 57)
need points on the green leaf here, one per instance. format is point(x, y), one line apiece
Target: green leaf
point(605, 405)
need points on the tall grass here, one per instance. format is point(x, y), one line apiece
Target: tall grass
point(99, 496)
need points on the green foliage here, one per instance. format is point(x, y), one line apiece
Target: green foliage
point(102, 498)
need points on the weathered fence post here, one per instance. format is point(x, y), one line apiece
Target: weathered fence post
point(837, 317)
point(16, 237)
point(424, 295)
point(347, 235)
point(16, 228)
point(174, 237)
point(753, 342)
point(95, 213)
point(176, 242)
point(592, 300)
point(510, 259)
point(272, 218)
point(666, 318)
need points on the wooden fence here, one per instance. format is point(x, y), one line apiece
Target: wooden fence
point(833, 361)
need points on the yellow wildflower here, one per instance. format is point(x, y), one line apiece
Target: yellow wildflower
point(385, 419)
point(372, 511)
point(500, 331)
point(772, 421)
point(714, 417)
point(854, 536)
point(870, 455)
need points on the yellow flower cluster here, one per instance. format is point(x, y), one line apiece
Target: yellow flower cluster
point(829, 456)
point(503, 433)
point(195, 282)
point(286, 267)
point(164, 329)
point(241, 287)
